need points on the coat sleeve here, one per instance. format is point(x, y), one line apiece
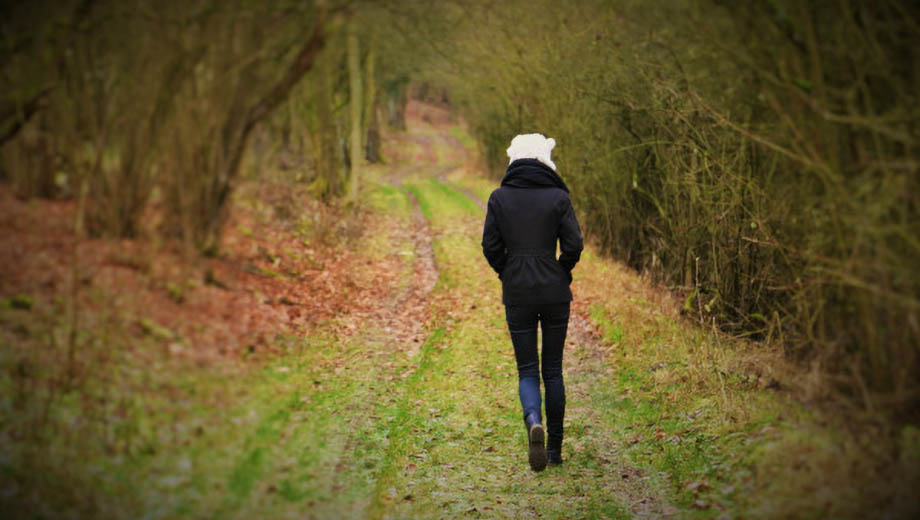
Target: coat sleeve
point(493, 245)
point(570, 241)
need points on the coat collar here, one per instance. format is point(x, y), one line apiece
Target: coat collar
point(531, 173)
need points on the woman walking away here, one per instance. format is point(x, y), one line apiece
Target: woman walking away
point(527, 214)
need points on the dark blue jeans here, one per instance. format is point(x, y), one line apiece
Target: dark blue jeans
point(522, 324)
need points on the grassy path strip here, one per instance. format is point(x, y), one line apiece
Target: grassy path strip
point(445, 179)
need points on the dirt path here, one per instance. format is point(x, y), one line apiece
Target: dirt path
point(409, 409)
point(403, 317)
point(461, 447)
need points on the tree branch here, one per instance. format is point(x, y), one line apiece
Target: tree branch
point(24, 113)
point(303, 63)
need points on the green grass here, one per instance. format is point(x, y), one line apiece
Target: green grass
point(613, 332)
point(383, 197)
point(391, 205)
point(440, 203)
point(480, 186)
point(679, 412)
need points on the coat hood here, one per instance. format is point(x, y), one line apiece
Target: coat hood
point(531, 173)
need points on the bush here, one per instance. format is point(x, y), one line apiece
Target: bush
point(760, 156)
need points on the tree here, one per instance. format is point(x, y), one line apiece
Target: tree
point(355, 106)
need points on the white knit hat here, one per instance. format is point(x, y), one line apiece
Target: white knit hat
point(532, 146)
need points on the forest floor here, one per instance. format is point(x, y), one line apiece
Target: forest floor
point(335, 365)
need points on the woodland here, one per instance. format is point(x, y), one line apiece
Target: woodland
point(240, 271)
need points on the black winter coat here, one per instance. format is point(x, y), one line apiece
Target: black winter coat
point(526, 215)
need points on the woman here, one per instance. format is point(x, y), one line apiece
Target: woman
point(526, 215)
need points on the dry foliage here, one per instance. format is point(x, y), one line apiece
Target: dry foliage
point(760, 158)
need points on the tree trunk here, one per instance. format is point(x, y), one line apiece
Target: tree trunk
point(396, 104)
point(237, 131)
point(325, 135)
point(354, 80)
point(372, 130)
